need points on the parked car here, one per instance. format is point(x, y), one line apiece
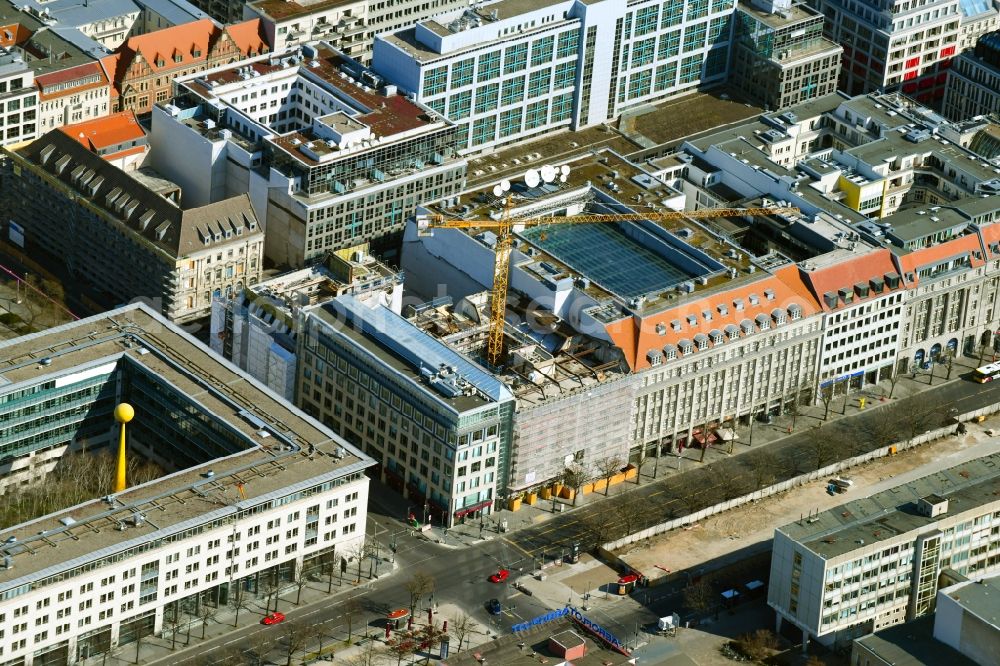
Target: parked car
point(500, 576)
point(273, 618)
point(493, 606)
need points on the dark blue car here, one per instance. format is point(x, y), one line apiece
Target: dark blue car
point(494, 607)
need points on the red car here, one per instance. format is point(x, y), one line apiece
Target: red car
point(500, 576)
point(273, 618)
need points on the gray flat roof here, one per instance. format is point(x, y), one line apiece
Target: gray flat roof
point(979, 597)
point(406, 349)
point(913, 644)
point(275, 464)
point(890, 513)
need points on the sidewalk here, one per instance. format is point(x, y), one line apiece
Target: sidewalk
point(653, 469)
point(157, 649)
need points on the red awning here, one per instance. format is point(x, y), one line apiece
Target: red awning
point(474, 507)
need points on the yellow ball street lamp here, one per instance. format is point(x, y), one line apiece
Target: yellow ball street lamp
point(123, 414)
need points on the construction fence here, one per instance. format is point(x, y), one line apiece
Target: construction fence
point(794, 482)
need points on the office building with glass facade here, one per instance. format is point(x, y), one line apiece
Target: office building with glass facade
point(510, 70)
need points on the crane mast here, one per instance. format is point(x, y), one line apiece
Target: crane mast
point(503, 228)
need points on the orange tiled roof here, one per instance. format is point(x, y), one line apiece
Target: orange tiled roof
point(926, 256)
point(248, 36)
point(991, 236)
point(847, 273)
point(70, 74)
point(12, 34)
point(160, 46)
point(724, 314)
point(110, 130)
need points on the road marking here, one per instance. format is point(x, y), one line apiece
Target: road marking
point(511, 543)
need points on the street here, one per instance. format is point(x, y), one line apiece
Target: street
point(460, 574)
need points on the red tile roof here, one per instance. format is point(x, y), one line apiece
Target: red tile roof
point(637, 336)
point(963, 246)
point(87, 69)
point(18, 34)
point(249, 37)
point(845, 274)
point(182, 40)
point(108, 131)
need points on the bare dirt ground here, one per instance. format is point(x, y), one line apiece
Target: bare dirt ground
point(755, 523)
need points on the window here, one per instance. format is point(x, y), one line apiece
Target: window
point(567, 44)
point(513, 91)
point(435, 81)
point(562, 107)
point(666, 76)
point(515, 59)
point(694, 36)
point(484, 130)
point(538, 83)
point(639, 84)
point(489, 66)
point(696, 9)
point(670, 45)
point(510, 122)
point(691, 69)
point(460, 105)
point(645, 20)
point(642, 52)
point(536, 114)
point(673, 12)
point(461, 72)
point(541, 51)
point(486, 98)
point(565, 73)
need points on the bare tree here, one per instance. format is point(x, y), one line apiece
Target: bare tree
point(206, 613)
point(364, 657)
point(826, 396)
point(764, 467)
point(822, 446)
point(300, 583)
point(419, 585)
point(882, 427)
point(574, 477)
point(756, 646)
point(462, 626)
point(947, 357)
point(894, 378)
point(296, 636)
point(608, 467)
point(634, 513)
point(271, 590)
point(239, 600)
point(172, 616)
point(359, 551)
point(601, 526)
point(350, 608)
point(984, 348)
point(698, 596)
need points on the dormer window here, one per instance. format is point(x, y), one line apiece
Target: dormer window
point(769, 294)
point(779, 316)
point(670, 352)
point(661, 329)
point(738, 304)
point(794, 312)
point(723, 310)
point(706, 315)
point(702, 341)
point(196, 53)
point(747, 327)
point(754, 299)
point(654, 357)
point(178, 57)
point(686, 346)
point(717, 337)
point(160, 62)
point(676, 324)
point(763, 322)
point(692, 320)
point(733, 332)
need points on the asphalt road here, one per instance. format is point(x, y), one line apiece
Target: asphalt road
point(461, 574)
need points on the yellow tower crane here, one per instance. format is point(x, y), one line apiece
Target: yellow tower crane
point(504, 230)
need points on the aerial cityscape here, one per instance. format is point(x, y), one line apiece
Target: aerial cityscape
point(511, 332)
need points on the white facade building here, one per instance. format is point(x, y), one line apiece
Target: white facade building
point(18, 100)
point(259, 493)
point(875, 562)
point(506, 71)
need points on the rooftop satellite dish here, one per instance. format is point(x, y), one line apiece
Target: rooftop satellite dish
point(548, 173)
point(531, 178)
point(497, 190)
point(504, 185)
point(563, 178)
point(564, 169)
